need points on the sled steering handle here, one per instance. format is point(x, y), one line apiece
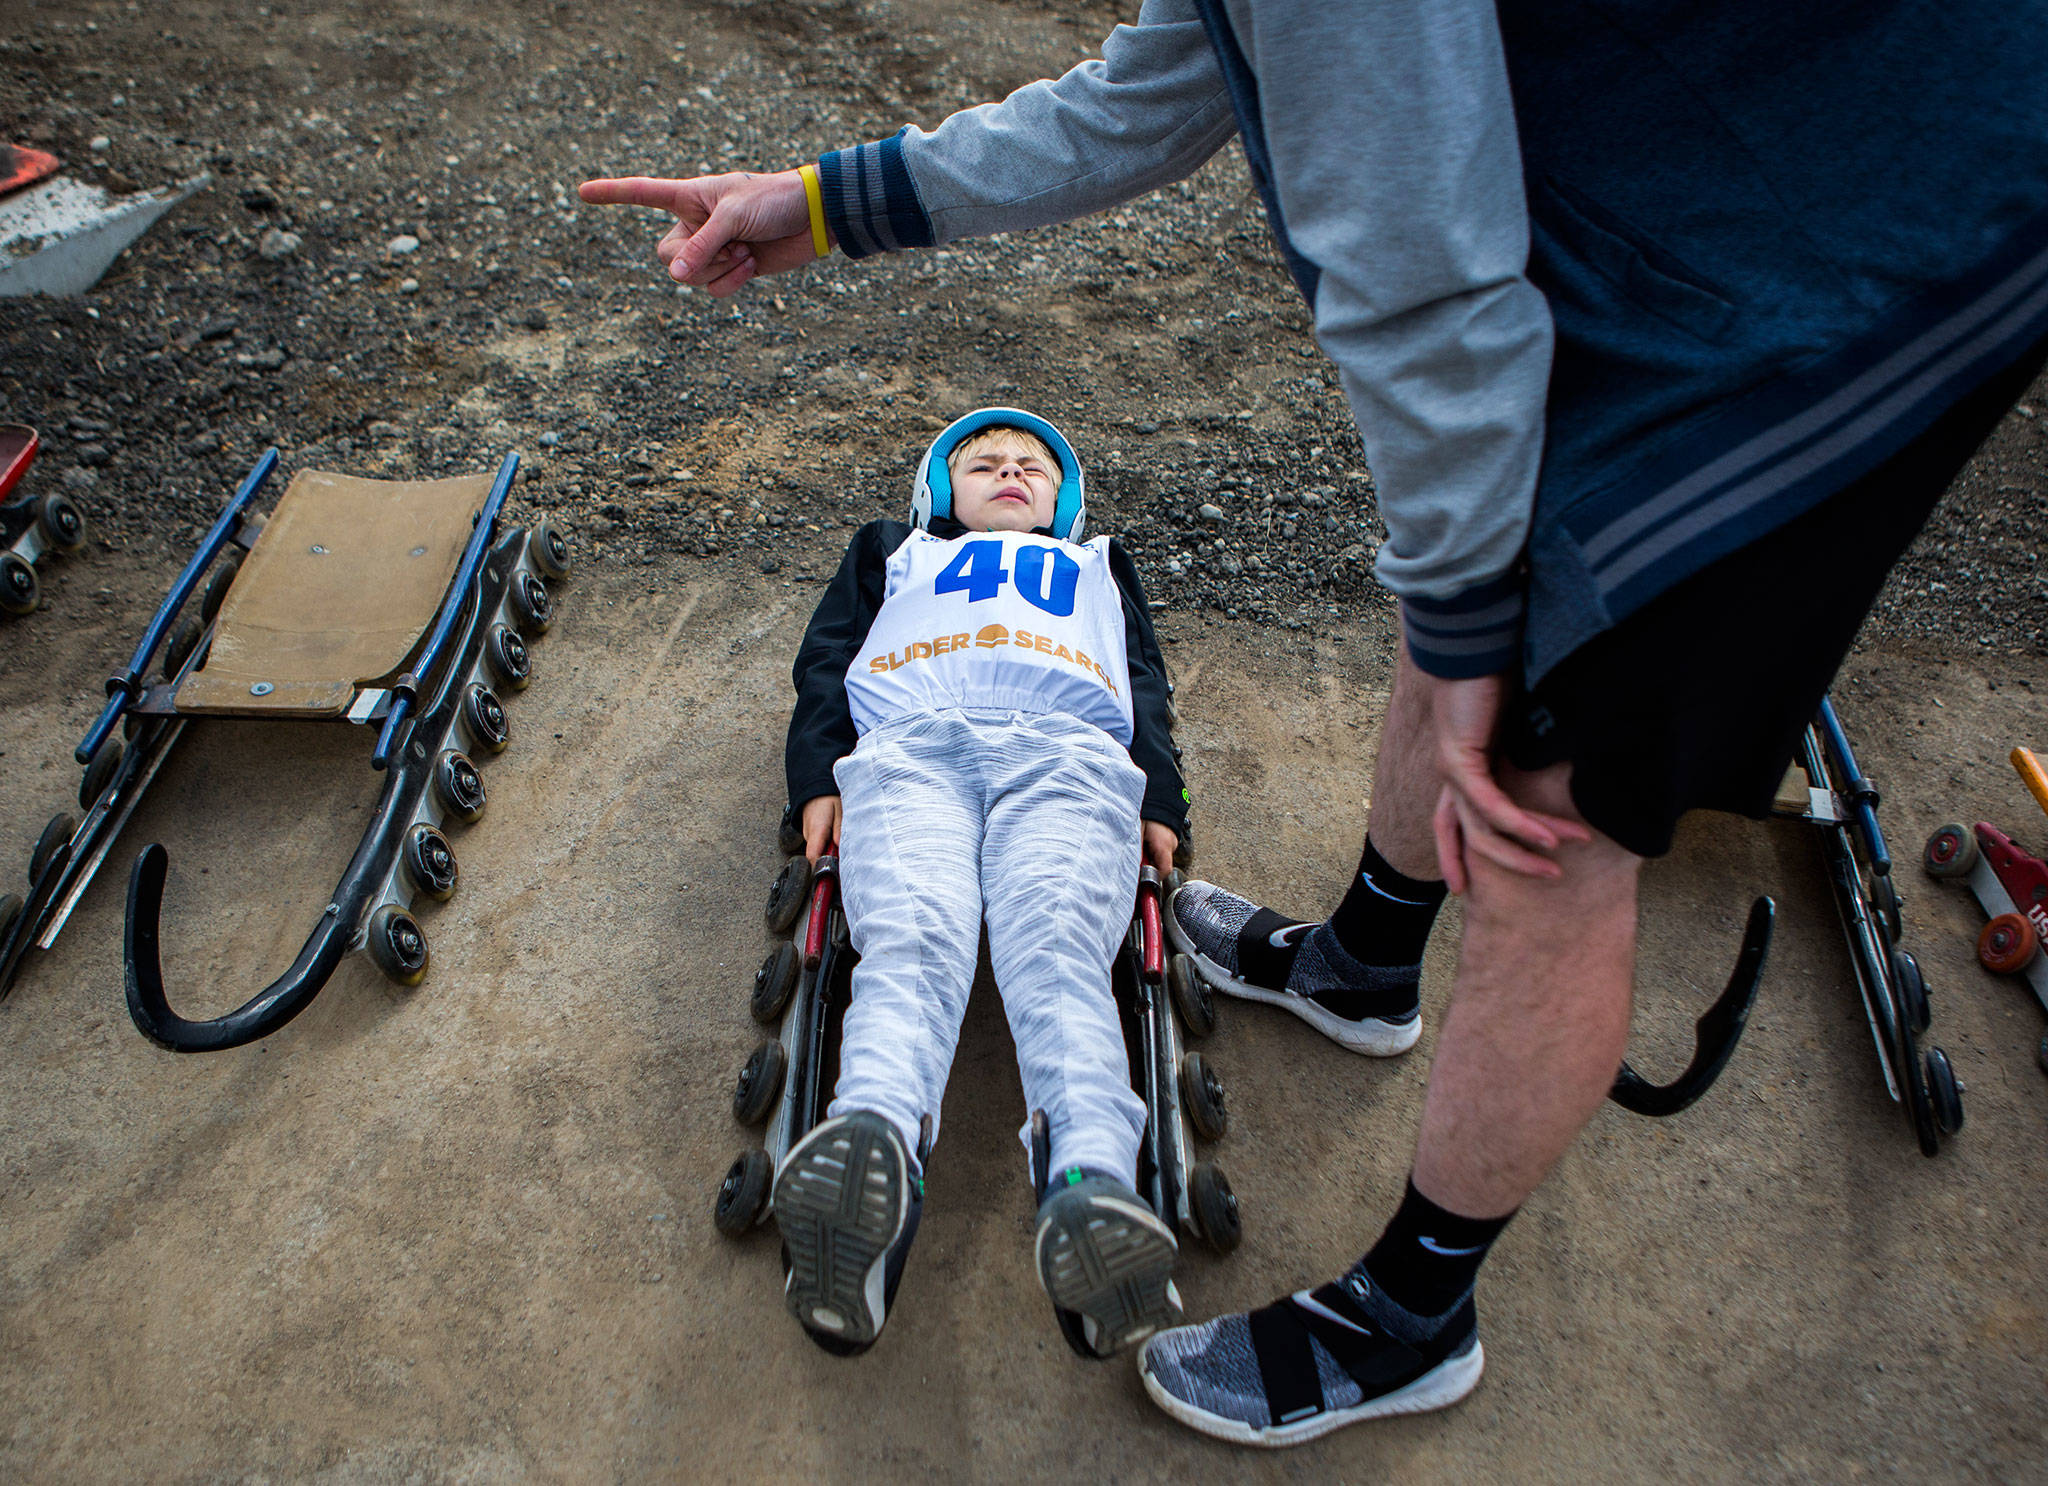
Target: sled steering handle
point(122, 688)
point(1151, 929)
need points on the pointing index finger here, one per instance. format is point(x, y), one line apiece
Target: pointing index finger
point(633, 190)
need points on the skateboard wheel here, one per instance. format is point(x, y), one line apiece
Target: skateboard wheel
point(789, 836)
point(1191, 996)
point(505, 655)
point(62, 523)
point(1203, 1096)
point(743, 1195)
point(1951, 851)
point(548, 550)
point(184, 640)
point(531, 604)
point(62, 828)
point(774, 983)
point(2007, 945)
point(759, 1082)
point(100, 772)
point(430, 863)
point(396, 943)
point(1912, 988)
point(458, 786)
point(1946, 1092)
point(217, 587)
point(786, 898)
point(1215, 1207)
point(1884, 902)
point(19, 588)
point(484, 715)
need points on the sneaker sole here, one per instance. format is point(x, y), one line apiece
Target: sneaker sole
point(1443, 1385)
point(840, 1203)
point(1373, 1037)
point(1111, 1261)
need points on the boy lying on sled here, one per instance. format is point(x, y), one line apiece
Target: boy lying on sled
point(981, 725)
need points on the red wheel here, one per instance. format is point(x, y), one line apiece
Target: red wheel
point(2007, 945)
point(1951, 851)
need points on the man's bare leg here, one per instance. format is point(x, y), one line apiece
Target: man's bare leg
point(1404, 778)
point(1538, 1020)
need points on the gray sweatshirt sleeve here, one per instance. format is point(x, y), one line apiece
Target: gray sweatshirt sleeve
point(1150, 110)
point(1388, 133)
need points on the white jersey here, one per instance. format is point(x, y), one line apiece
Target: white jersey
point(1011, 620)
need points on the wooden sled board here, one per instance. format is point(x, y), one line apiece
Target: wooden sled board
point(335, 595)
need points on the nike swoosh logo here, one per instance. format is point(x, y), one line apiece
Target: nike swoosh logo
point(1284, 938)
point(1436, 1248)
point(1308, 1302)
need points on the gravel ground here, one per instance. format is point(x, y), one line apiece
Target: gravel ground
point(391, 275)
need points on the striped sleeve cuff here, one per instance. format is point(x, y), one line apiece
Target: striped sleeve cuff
point(871, 203)
point(1474, 633)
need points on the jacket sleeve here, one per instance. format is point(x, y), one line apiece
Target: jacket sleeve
point(1150, 110)
point(821, 727)
point(1152, 747)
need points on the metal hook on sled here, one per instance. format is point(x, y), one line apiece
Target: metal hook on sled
point(1714, 1035)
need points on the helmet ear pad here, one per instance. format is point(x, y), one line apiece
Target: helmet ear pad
point(931, 494)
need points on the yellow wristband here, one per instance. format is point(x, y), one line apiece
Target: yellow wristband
point(816, 197)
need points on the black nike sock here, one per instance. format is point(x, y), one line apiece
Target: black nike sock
point(1428, 1257)
point(1385, 917)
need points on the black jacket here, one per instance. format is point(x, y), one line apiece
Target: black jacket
point(821, 728)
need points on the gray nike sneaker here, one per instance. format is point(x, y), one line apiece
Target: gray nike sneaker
point(1255, 954)
point(1105, 1256)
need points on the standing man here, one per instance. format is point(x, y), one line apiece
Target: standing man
point(1640, 310)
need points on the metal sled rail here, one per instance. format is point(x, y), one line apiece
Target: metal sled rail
point(1714, 1035)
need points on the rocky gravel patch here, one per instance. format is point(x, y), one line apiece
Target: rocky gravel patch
point(390, 275)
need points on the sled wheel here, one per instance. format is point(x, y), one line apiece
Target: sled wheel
point(1912, 989)
point(1203, 1096)
point(774, 983)
point(1945, 1091)
point(99, 772)
point(217, 587)
point(2007, 945)
point(548, 550)
point(184, 640)
point(458, 786)
point(397, 945)
point(10, 910)
point(1191, 995)
point(760, 1081)
point(505, 653)
point(1951, 851)
point(1184, 854)
point(19, 588)
point(743, 1195)
point(430, 862)
point(1884, 901)
point(531, 604)
point(786, 898)
point(62, 828)
point(485, 715)
point(789, 836)
point(62, 523)
point(1215, 1207)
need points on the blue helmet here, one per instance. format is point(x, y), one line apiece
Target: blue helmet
point(932, 494)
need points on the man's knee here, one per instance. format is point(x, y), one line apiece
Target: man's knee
point(1550, 792)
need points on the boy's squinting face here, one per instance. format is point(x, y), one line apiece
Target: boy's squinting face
point(1004, 487)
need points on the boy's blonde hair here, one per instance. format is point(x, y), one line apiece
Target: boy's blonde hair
point(1003, 433)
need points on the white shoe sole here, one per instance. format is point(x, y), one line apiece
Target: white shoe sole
point(1438, 1388)
point(1111, 1261)
point(841, 1202)
point(1372, 1037)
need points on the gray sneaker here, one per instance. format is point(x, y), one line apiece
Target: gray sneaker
point(1255, 954)
point(848, 1206)
point(1105, 1256)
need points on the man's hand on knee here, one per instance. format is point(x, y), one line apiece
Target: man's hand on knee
point(729, 228)
point(1475, 817)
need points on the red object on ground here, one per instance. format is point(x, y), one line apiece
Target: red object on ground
point(18, 445)
point(21, 166)
point(2007, 945)
point(2024, 877)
